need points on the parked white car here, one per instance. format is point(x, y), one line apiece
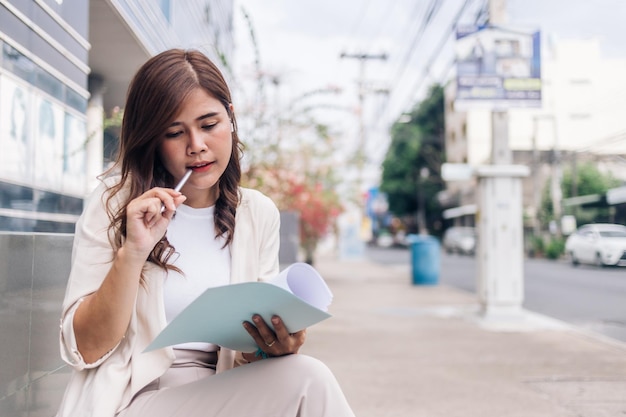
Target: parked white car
point(460, 240)
point(599, 244)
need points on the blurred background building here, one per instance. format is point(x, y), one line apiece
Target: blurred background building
point(581, 120)
point(65, 65)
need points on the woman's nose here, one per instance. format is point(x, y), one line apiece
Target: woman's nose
point(196, 143)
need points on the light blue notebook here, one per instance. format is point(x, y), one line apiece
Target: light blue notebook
point(298, 295)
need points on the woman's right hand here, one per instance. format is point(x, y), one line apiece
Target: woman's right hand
point(101, 320)
point(145, 223)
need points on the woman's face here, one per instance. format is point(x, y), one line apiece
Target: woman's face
point(199, 138)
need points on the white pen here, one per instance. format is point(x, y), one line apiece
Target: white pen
point(179, 185)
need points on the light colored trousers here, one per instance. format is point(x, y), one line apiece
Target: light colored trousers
point(288, 386)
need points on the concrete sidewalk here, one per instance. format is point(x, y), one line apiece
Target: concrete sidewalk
point(400, 350)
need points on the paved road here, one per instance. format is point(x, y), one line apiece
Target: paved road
point(586, 296)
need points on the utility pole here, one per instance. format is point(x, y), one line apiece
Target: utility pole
point(363, 58)
point(555, 182)
point(499, 218)
point(535, 176)
point(574, 190)
point(500, 150)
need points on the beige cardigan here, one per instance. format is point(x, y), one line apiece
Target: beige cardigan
point(103, 388)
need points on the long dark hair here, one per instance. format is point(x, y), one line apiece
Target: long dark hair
point(155, 96)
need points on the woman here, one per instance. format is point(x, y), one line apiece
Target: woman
point(135, 266)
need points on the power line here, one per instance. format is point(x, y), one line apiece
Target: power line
point(426, 19)
point(436, 51)
point(363, 58)
point(606, 141)
point(383, 23)
point(355, 27)
point(479, 16)
point(482, 15)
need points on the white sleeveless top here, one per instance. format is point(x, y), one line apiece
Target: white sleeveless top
point(201, 257)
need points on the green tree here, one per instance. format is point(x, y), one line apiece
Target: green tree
point(411, 175)
point(589, 180)
point(400, 172)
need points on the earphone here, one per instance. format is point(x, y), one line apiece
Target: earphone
point(232, 126)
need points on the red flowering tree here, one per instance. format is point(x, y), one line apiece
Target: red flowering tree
point(318, 208)
point(317, 205)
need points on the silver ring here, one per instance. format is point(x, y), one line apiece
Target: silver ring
point(270, 344)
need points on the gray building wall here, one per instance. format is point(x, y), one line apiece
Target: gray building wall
point(33, 274)
point(55, 33)
point(43, 99)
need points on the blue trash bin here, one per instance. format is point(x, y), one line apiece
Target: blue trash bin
point(425, 259)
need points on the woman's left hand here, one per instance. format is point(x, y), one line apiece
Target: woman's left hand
point(276, 342)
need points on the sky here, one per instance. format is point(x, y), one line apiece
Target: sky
point(300, 44)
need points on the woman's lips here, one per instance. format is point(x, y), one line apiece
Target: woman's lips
point(201, 168)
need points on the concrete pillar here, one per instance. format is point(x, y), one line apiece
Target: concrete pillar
point(500, 254)
point(95, 132)
point(289, 238)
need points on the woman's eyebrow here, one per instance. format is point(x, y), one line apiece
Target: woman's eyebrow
point(204, 116)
